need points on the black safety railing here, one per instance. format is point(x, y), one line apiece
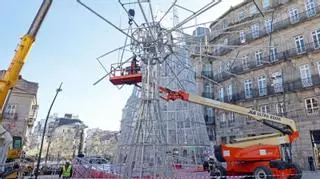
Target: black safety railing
point(290, 86)
point(276, 26)
point(281, 56)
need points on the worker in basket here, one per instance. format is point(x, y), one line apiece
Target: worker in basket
point(134, 68)
point(66, 171)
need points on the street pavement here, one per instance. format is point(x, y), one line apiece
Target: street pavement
point(306, 175)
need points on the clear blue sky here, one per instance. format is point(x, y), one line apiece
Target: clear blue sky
point(65, 50)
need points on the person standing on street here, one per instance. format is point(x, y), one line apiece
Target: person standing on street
point(66, 171)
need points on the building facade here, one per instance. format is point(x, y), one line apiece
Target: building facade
point(101, 143)
point(265, 56)
point(21, 109)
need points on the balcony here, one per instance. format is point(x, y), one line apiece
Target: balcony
point(282, 24)
point(281, 56)
point(10, 116)
point(291, 86)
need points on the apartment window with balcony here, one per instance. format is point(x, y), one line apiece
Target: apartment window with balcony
point(268, 25)
point(228, 66)
point(229, 92)
point(277, 82)
point(242, 15)
point(300, 46)
point(223, 120)
point(318, 66)
point(245, 61)
point(265, 3)
point(258, 56)
point(273, 54)
point(231, 119)
point(248, 88)
point(262, 85)
point(310, 8)
point(265, 108)
point(294, 15)
point(242, 37)
point(316, 38)
point(305, 74)
point(221, 94)
point(253, 9)
point(280, 108)
point(255, 31)
point(311, 105)
point(10, 112)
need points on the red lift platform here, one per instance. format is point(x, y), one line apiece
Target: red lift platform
point(125, 75)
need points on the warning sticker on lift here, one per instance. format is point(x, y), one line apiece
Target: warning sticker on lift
point(263, 152)
point(226, 153)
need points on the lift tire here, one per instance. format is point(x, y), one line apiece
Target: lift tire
point(298, 172)
point(219, 173)
point(263, 172)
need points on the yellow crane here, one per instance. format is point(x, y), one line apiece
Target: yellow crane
point(11, 76)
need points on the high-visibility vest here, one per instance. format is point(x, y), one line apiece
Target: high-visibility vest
point(66, 172)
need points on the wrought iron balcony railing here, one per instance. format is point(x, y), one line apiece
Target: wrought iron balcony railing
point(276, 26)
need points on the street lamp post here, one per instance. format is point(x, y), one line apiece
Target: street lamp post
point(44, 130)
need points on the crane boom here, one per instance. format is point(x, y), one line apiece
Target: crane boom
point(290, 126)
point(12, 74)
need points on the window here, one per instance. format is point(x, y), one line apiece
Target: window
point(311, 105)
point(316, 38)
point(229, 92)
point(318, 66)
point(300, 47)
point(223, 140)
point(11, 109)
point(255, 31)
point(231, 119)
point(268, 25)
point(242, 37)
point(242, 15)
point(280, 108)
point(253, 9)
point(262, 85)
point(294, 15)
point(245, 61)
point(277, 82)
point(305, 74)
point(223, 120)
point(258, 56)
point(221, 94)
point(225, 41)
point(208, 67)
point(273, 54)
point(228, 66)
point(209, 112)
point(265, 3)
point(310, 7)
point(265, 108)
point(248, 88)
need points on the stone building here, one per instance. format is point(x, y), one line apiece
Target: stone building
point(100, 142)
point(265, 56)
point(21, 109)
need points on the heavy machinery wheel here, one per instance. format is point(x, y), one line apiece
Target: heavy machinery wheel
point(219, 173)
point(263, 173)
point(298, 173)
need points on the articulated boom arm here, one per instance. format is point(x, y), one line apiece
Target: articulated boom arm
point(12, 74)
point(256, 115)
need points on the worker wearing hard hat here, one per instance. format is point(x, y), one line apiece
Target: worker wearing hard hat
point(66, 171)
